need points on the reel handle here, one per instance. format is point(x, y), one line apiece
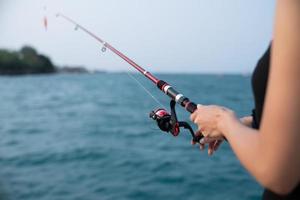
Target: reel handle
point(197, 138)
point(169, 123)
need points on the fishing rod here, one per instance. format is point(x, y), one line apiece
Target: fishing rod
point(166, 121)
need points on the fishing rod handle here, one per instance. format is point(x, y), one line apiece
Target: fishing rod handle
point(176, 96)
point(190, 107)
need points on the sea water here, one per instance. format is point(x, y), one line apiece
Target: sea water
point(90, 137)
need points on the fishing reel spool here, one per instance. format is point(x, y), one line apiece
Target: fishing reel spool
point(169, 122)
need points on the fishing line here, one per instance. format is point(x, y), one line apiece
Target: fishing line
point(145, 89)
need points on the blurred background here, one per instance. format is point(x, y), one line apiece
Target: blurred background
point(74, 125)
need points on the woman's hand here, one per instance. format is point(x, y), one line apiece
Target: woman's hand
point(212, 121)
point(214, 143)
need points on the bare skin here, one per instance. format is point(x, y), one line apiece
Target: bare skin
point(214, 143)
point(270, 154)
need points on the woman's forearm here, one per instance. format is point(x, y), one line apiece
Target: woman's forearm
point(246, 144)
point(250, 147)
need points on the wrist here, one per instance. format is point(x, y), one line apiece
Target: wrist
point(227, 120)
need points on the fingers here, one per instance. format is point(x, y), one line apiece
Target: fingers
point(197, 134)
point(204, 140)
point(194, 115)
point(217, 144)
point(213, 143)
point(202, 146)
point(207, 140)
point(211, 148)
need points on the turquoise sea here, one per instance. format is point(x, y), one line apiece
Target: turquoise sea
point(89, 137)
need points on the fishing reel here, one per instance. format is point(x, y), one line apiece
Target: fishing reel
point(169, 122)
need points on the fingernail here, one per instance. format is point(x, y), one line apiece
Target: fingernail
point(202, 141)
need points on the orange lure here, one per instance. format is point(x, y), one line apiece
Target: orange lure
point(46, 23)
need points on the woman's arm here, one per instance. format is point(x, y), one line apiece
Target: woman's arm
point(280, 128)
point(272, 154)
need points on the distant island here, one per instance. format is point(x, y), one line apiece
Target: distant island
point(28, 61)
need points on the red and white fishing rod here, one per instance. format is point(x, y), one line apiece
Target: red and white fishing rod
point(165, 121)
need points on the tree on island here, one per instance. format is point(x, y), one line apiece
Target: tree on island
point(25, 61)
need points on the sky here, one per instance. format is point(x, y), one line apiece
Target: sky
point(190, 36)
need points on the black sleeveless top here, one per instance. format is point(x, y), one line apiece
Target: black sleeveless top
point(259, 85)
